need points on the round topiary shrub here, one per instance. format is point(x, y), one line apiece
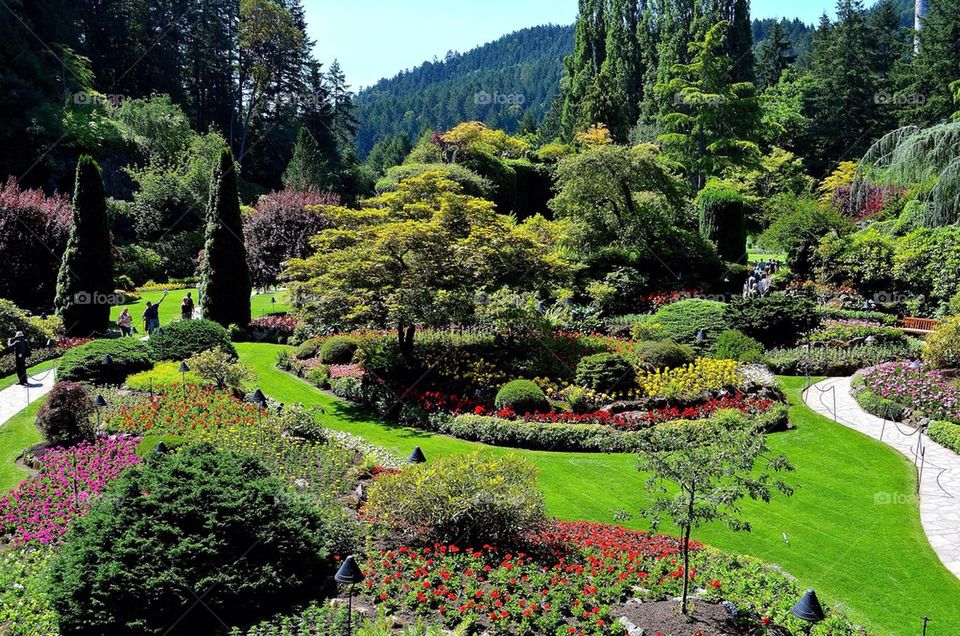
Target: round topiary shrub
point(186, 338)
point(776, 321)
point(66, 416)
point(308, 349)
point(522, 396)
point(606, 373)
point(736, 345)
point(338, 350)
point(663, 354)
point(194, 521)
point(85, 363)
point(472, 499)
point(682, 321)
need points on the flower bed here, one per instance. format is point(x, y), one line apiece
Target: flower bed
point(41, 508)
point(751, 405)
point(276, 329)
point(926, 392)
point(570, 579)
point(699, 377)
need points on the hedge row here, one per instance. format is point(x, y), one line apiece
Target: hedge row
point(946, 434)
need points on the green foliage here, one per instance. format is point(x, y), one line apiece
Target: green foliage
point(148, 445)
point(833, 361)
point(682, 321)
point(606, 372)
point(798, 224)
point(66, 416)
point(864, 259)
point(946, 434)
point(85, 281)
point(36, 330)
point(876, 405)
point(662, 354)
point(736, 345)
point(163, 376)
point(776, 320)
point(319, 376)
point(184, 338)
point(317, 620)
point(723, 220)
point(225, 280)
point(337, 350)
point(308, 168)
point(517, 433)
point(468, 500)
point(221, 368)
point(523, 396)
point(472, 183)
point(209, 520)
point(942, 348)
point(24, 605)
point(85, 363)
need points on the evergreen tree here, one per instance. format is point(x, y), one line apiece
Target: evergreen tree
point(925, 83)
point(85, 280)
point(621, 75)
point(224, 276)
point(583, 66)
point(308, 169)
point(344, 117)
point(740, 43)
point(775, 56)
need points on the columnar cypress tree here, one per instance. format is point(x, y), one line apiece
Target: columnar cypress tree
point(85, 280)
point(224, 277)
point(723, 220)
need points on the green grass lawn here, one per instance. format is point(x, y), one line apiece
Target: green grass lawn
point(19, 433)
point(260, 305)
point(872, 560)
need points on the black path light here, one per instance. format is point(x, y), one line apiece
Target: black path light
point(349, 574)
point(417, 457)
point(259, 397)
point(99, 403)
point(184, 369)
point(808, 608)
point(107, 360)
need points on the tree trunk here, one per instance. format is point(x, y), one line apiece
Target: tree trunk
point(686, 556)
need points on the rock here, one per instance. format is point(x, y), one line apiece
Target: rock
point(632, 630)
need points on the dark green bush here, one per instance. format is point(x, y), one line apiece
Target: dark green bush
point(723, 220)
point(186, 338)
point(523, 396)
point(309, 349)
point(663, 354)
point(606, 373)
point(776, 321)
point(85, 363)
point(338, 350)
point(66, 416)
point(463, 499)
point(681, 321)
point(195, 520)
point(736, 345)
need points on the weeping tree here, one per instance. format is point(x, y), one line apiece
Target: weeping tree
point(723, 220)
point(85, 280)
point(224, 276)
point(927, 159)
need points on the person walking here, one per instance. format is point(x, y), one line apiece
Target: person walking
point(21, 351)
point(151, 315)
point(186, 308)
point(125, 322)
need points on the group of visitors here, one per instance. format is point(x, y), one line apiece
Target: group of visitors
point(151, 316)
point(760, 280)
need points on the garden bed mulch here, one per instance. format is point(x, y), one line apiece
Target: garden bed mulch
point(664, 617)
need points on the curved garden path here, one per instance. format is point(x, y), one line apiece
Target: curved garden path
point(14, 399)
point(938, 467)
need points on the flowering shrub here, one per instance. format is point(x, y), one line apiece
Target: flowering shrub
point(657, 300)
point(276, 329)
point(696, 378)
point(739, 402)
point(64, 343)
point(41, 508)
point(928, 393)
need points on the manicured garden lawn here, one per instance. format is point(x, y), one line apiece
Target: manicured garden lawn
point(871, 559)
point(35, 370)
point(260, 305)
point(18, 433)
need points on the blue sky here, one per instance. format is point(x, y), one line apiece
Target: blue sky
point(378, 38)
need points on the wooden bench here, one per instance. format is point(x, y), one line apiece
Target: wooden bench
point(919, 326)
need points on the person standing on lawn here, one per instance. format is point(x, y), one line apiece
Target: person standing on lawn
point(186, 308)
point(20, 348)
point(151, 315)
point(125, 322)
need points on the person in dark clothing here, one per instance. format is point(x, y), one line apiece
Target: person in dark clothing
point(186, 308)
point(151, 315)
point(20, 348)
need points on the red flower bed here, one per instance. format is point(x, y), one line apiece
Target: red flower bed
point(565, 584)
point(659, 299)
point(182, 409)
point(739, 402)
point(64, 343)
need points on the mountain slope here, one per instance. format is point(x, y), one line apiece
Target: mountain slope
point(496, 83)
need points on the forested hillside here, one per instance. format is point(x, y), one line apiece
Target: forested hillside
point(499, 84)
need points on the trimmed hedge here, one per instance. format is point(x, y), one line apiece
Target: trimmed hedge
point(736, 345)
point(834, 361)
point(776, 320)
point(663, 354)
point(681, 321)
point(185, 338)
point(946, 434)
point(338, 350)
point(523, 396)
point(85, 363)
point(538, 435)
point(606, 373)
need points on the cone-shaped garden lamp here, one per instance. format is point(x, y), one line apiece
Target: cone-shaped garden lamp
point(808, 608)
point(416, 457)
point(349, 574)
point(99, 403)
